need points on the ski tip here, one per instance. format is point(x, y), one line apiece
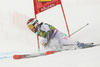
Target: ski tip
point(16, 57)
point(50, 52)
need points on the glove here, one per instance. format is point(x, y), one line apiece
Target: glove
point(44, 44)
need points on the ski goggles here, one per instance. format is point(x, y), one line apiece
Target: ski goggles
point(30, 26)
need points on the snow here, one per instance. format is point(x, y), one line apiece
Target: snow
point(16, 38)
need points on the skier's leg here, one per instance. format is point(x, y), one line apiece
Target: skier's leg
point(54, 44)
point(67, 42)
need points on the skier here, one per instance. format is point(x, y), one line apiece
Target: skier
point(50, 33)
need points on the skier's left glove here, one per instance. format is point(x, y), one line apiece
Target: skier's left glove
point(44, 44)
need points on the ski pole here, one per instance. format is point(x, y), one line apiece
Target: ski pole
point(79, 29)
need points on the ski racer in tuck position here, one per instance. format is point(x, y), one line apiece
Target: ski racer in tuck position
point(51, 34)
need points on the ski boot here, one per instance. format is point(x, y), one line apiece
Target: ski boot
point(84, 45)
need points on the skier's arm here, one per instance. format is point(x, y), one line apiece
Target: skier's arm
point(49, 34)
point(46, 28)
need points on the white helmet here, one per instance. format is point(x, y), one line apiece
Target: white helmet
point(32, 23)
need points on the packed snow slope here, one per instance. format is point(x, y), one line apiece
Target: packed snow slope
point(84, 58)
point(16, 38)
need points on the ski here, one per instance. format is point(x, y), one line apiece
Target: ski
point(16, 57)
point(24, 56)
